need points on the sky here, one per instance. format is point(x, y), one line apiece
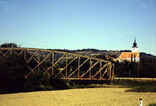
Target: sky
point(79, 24)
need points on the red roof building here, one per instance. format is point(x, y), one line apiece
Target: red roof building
point(129, 56)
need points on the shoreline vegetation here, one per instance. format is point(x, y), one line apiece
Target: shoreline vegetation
point(133, 85)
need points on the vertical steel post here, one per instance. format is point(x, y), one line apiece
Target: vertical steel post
point(52, 68)
point(110, 67)
point(100, 68)
point(78, 66)
point(39, 59)
point(90, 73)
point(66, 66)
point(25, 54)
point(11, 51)
point(113, 71)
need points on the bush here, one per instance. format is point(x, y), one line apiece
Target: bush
point(58, 83)
point(12, 72)
point(37, 82)
point(137, 86)
point(40, 81)
point(153, 104)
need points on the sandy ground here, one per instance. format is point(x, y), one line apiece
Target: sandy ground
point(78, 97)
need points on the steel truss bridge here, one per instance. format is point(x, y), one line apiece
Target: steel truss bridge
point(64, 64)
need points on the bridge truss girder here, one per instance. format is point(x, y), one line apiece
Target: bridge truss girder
point(67, 65)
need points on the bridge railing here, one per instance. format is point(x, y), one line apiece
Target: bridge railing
point(64, 64)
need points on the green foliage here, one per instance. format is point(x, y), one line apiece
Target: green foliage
point(137, 86)
point(152, 104)
point(12, 71)
point(9, 45)
point(143, 88)
point(58, 83)
point(148, 67)
point(40, 81)
point(145, 68)
point(87, 83)
point(126, 69)
point(101, 57)
point(37, 81)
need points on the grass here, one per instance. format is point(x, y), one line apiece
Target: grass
point(78, 97)
point(153, 104)
point(100, 94)
point(137, 86)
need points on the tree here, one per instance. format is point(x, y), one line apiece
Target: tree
point(9, 45)
point(37, 81)
point(126, 69)
point(147, 66)
point(12, 71)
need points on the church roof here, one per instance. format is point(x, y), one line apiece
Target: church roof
point(129, 55)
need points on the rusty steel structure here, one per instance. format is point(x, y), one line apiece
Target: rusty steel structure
point(64, 64)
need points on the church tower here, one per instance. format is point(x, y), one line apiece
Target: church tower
point(135, 47)
point(131, 56)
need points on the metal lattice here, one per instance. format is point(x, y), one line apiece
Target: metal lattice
point(64, 64)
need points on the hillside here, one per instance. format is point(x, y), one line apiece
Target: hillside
point(145, 68)
point(108, 53)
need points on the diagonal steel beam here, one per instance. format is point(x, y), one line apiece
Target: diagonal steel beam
point(89, 69)
point(1, 52)
point(45, 71)
point(59, 60)
point(39, 63)
point(55, 63)
point(79, 67)
point(59, 73)
point(21, 52)
point(5, 53)
point(31, 57)
point(66, 66)
point(100, 70)
point(106, 70)
point(70, 63)
point(31, 70)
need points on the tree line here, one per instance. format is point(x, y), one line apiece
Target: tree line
point(145, 68)
point(13, 69)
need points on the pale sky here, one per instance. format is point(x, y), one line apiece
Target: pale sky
point(79, 24)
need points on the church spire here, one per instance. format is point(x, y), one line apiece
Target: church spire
point(134, 47)
point(135, 44)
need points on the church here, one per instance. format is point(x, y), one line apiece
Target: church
point(131, 56)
